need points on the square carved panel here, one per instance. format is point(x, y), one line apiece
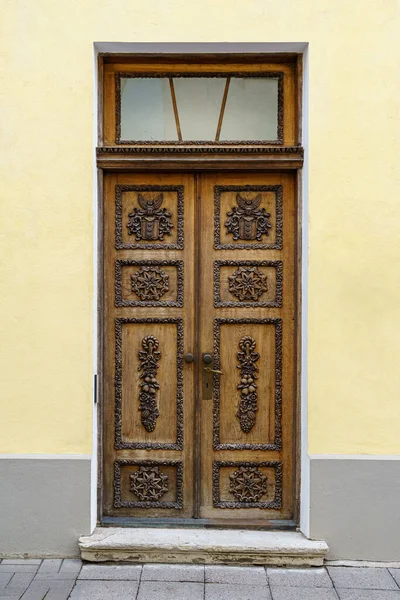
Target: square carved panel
point(248, 283)
point(247, 484)
point(149, 217)
point(248, 405)
point(149, 283)
point(148, 484)
point(248, 217)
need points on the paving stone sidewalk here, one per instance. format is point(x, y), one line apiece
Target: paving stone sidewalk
point(58, 579)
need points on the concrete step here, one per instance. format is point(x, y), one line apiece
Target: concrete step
point(202, 546)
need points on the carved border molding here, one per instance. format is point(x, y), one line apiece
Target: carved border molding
point(275, 504)
point(119, 444)
point(119, 264)
point(277, 264)
point(277, 443)
point(119, 189)
point(119, 503)
point(185, 149)
point(279, 75)
point(277, 189)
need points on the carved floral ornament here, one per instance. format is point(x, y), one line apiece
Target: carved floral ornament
point(149, 358)
point(150, 221)
point(248, 484)
point(248, 283)
point(149, 283)
point(247, 387)
point(148, 483)
point(247, 221)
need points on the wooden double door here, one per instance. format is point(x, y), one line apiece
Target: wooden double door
point(199, 346)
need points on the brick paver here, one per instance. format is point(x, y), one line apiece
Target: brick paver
point(69, 579)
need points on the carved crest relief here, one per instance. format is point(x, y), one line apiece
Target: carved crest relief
point(150, 221)
point(149, 358)
point(247, 221)
point(248, 484)
point(149, 283)
point(148, 483)
point(248, 388)
point(248, 283)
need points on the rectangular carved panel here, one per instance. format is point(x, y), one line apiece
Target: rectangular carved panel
point(148, 484)
point(248, 217)
point(149, 283)
point(248, 400)
point(247, 484)
point(149, 383)
point(149, 217)
point(248, 283)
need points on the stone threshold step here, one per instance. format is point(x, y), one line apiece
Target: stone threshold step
point(202, 546)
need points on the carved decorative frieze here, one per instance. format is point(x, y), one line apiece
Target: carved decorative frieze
point(146, 266)
point(277, 443)
point(119, 443)
point(149, 223)
point(247, 221)
point(149, 283)
point(248, 283)
point(148, 483)
point(247, 387)
point(251, 225)
point(149, 358)
point(242, 281)
point(248, 484)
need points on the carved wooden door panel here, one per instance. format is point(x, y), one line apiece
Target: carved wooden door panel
point(205, 265)
point(148, 328)
point(247, 324)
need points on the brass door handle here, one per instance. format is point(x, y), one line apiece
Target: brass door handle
point(210, 370)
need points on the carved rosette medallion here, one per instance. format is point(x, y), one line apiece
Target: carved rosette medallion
point(248, 484)
point(149, 283)
point(248, 388)
point(248, 283)
point(247, 221)
point(149, 358)
point(149, 484)
point(150, 221)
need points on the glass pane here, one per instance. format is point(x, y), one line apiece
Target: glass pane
point(199, 104)
point(146, 109)
point(251, 111)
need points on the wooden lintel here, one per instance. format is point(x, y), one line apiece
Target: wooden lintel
point(199, 158)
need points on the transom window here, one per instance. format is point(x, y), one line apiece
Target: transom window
point(199, 107)
point(196, 103)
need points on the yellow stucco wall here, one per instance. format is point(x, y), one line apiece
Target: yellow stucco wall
point(46, 170)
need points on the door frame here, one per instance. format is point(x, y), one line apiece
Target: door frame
point(276, 158)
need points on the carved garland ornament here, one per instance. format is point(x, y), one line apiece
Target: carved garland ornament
point(248, 484)
point(149, 283)
point(248, 283)
point(276, 444)
point(247, 221)
point(248, 388)
point(149, 484)
point(151, 222)
point(119, 442)
point(149, 358)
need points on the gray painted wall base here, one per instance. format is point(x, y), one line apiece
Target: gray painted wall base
point(355, 507)
point(44, 506)
point(202, 546)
